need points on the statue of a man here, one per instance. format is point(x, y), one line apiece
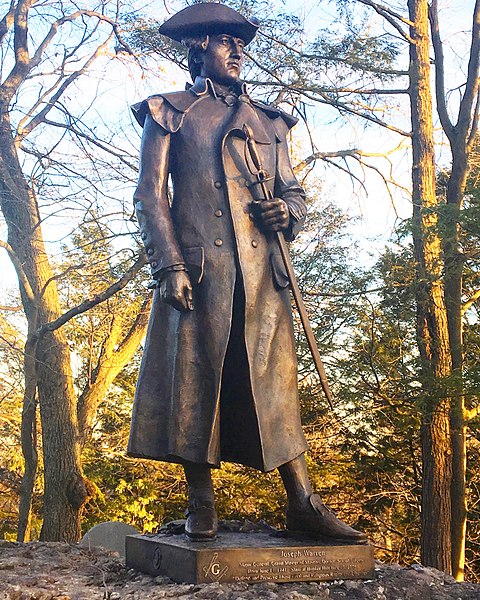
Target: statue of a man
point(218, 380)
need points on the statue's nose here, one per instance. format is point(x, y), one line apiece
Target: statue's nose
point(237, 50)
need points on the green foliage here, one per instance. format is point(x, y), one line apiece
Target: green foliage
point(11, 463)
point(324, 259)
point(93, 264)
point(364, 458)
point(352, 51)
point(380, 415)
point(11, 387)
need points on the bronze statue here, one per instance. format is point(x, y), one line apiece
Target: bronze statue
point(218, 380)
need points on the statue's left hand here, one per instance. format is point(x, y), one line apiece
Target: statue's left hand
point(274, 214)
point(176, 290)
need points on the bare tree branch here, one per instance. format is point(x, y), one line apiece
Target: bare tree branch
point(20, 44)
point(338, 59)
point(353, 152)
point(24, 64)
point(61, 275)
point(474, 127)
point(332, 90)
point(91, 140)
point(113, 357)
point(40, 117)
point(348, 109)
point(11, 308)
point(20, 271)
point(391, 16)
point(439, 71)
point(323, 97)
point(472, 86)
point(7, 21)
point(98, 299)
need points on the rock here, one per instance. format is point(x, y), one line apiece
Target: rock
point(110, 535)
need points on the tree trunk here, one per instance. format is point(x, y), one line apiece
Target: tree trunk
point(459, 495)
point(432, 329)
point(65, 489)
point(454, 264)
point(29, 442)
point(461, 136)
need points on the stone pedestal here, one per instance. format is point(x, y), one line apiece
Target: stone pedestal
point(250, 557)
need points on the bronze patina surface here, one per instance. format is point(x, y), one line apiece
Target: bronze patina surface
point(248, 557)
point(218, 380)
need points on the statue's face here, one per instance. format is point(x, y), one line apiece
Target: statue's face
point(222, 60)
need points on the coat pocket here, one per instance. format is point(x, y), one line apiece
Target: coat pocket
point(195, 262)
point(279, 273)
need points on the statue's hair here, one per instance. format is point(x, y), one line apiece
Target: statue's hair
point(196, 47)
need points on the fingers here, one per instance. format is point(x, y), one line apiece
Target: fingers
point(181, 301)
point(179, 304)
point(176, 290)
point(274, 214)
point(275, 205)
point(276, 226)
point(188, 297)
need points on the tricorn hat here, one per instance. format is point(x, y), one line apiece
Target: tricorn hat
point(207, 18)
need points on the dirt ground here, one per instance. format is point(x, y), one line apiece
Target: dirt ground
point(47, 571)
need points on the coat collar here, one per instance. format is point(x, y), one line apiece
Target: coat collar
point(204, 85)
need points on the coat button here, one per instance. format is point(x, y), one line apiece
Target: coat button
point(219, 213)
point(254, 243)
point(230, 100)
point(143, 235)
point(218, 184)
point(218, 242)
point(150, 251)
point(154, 264)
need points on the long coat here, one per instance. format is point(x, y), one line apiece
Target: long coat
point(219, 382)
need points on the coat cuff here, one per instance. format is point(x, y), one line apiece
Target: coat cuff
point(158, 276)
point(294, 227)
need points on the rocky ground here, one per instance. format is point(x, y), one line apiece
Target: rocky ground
point(47, 571)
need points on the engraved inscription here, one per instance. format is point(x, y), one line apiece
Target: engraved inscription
point(302, 564)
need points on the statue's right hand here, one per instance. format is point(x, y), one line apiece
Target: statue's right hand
point(176, 290)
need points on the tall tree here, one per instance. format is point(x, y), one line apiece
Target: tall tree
point(461, 136)
point(432, 329)
point(45, 52)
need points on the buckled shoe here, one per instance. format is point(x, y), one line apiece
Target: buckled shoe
point(318, 521)
point(202, 522)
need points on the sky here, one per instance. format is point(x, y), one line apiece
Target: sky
point(377, 212)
